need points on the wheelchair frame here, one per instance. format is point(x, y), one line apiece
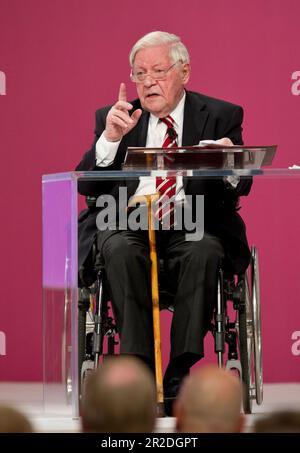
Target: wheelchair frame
point(243, 334)
point(240, 337)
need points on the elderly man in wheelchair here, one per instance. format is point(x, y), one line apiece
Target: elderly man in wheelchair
point(201, 275)
point(236, 331)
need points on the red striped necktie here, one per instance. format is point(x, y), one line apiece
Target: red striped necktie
point(167, 186)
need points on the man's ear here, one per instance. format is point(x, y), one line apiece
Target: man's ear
point(186, 71)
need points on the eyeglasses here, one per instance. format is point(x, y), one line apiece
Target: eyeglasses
point(156, 74)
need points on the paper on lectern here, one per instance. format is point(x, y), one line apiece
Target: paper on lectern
point(294, 167)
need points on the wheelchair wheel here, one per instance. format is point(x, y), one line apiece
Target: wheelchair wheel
point(246, 348)
point(249, 328)
point(258, 368)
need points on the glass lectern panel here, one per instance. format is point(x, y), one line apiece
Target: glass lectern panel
point(270, 212)
point(60, 293)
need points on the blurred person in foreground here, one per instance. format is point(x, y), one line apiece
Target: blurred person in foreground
point(209, 401)
point(285, 421)
point(119, 397)
point(12, 420)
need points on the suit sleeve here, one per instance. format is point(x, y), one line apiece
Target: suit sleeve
point(234, 127)
point(234, 132)
point(88, 162)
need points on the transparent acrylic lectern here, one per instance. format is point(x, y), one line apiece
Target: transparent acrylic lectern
point(61, 205)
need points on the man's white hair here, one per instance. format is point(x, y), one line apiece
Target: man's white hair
point(178, 51)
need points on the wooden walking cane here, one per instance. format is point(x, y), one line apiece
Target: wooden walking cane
point(155, 299)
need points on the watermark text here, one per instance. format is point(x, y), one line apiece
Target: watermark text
point(2, 343)
point(2, 83)
point(295, 88)
point(187, 216)
point(296, 344)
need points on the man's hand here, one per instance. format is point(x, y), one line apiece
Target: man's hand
point(118, 121)
point(225, 141)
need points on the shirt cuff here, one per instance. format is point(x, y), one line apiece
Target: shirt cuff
point(232, 181)
point(105, 151)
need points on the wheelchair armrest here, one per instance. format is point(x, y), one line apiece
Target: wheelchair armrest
point(91, 201)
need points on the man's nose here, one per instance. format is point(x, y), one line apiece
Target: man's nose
point(149, 81)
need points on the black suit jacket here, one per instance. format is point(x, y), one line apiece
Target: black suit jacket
point(204, 118)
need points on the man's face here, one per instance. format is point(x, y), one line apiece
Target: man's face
point(160, 97)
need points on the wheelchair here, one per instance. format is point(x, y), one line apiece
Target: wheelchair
point(235, 326)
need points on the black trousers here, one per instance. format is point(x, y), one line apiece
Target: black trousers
point(191, 267)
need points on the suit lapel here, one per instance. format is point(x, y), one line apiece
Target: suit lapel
point(138, 136)
point(195, 118)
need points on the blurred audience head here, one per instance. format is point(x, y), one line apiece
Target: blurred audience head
point(120, 396)
point(209, 402)
point(278, 422)
point(12, 420)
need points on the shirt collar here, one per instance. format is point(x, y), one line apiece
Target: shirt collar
point(176, 114)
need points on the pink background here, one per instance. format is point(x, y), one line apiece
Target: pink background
point(63, 59)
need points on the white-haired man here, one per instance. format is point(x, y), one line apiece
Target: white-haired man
point(160, 68)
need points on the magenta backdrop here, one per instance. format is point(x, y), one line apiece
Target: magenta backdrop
point(62, 59)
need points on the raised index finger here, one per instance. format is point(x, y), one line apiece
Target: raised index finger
point(122, 92)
